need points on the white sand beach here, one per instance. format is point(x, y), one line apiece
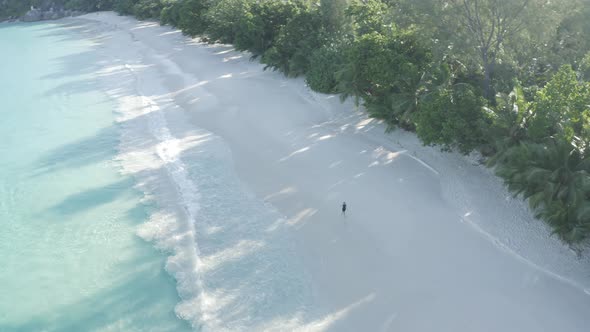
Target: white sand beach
point(249, 170)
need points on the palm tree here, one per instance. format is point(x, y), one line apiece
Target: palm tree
point(555, 178)
point(510, 117)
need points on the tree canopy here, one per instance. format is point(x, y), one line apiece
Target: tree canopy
point(507, 78)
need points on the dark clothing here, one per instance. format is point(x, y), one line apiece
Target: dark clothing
point(343, 208)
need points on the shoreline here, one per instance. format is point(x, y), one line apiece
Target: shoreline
point(70, 255)
point(278, 142)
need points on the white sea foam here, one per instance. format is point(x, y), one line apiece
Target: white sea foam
point(237, 281)
point(150, 152)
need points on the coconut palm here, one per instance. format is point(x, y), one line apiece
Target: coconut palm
point(555, 178)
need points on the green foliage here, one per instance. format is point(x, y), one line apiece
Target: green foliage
point(536, 73)
point(89, 5)
point(504, 77)
point(261, 26)
point(561, 109)
point(226, 19)
point(453, 118)
point(368, 16)
point(509, 119)
point(572, 42)
point(17, 8)
point(145, 9)
point(333, 13)
point(124, 7)
point(170, 13)
point(13, 8)
point(193, 19)
point(555, 177)
point(324, 64)
point(546, 158)
point(292, 49)
point(584, 68)
point(385, 71)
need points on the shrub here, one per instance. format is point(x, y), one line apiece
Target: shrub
point(13, 8)
point(170, 13)
point(124, 7)
point(262, 24)
point(226, 19)
point(145, 9)
point(453, 118)
point(386, 72)
point(561, 108)
point(295, 43)
point(89, 5)
point(555, 177)
point(324, 63)
point(368, 16)
point(192, 19)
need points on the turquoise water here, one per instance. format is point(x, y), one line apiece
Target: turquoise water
point(69, 256)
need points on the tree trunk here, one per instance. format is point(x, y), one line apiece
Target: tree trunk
point(487, 72)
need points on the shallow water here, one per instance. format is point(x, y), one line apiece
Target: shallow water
point(69, 255)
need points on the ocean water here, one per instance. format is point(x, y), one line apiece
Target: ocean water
point(70, 259)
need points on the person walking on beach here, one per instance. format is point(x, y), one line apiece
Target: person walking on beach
point(344, 208)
